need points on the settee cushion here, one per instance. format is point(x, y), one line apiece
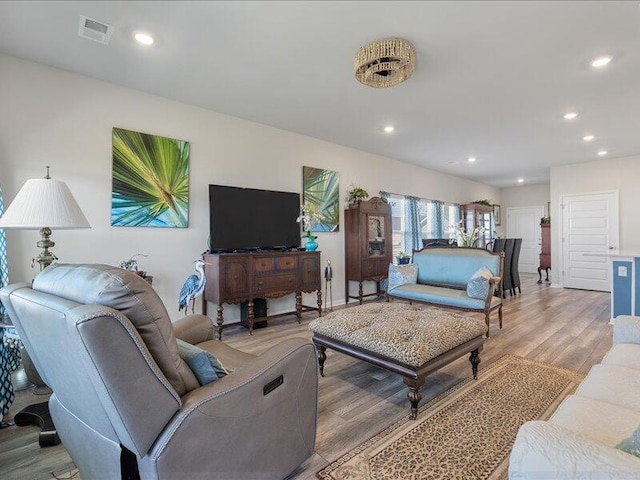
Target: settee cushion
point(401, 275)
point(130, 294)
point(479, 283)
point(623, 355)
point(614, 384)
point(603, 422)
point(441, 296)
point(203, 364)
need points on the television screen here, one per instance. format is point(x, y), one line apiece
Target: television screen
point(248, 219)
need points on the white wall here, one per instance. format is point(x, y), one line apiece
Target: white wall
point(622, 174)
point(523, 196)
point(52, 117)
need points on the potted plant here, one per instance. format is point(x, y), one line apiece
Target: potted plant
point(466, 239)
point(356, 194)
point(546, 219)
point(132, 265)
point(307, 220)
point(403, 258)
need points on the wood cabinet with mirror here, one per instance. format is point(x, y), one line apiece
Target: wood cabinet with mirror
point(478, 215)
point(368, 248)
point(545, 250)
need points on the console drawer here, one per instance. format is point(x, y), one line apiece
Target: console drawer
point(263, 264)
point(275, 283)
point(287, 263)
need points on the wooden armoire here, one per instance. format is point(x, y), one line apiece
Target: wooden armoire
point(368, 245)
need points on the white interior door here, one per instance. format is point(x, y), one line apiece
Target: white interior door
point(524, 223)
point(589, 224)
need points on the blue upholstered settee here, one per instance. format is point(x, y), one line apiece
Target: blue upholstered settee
point(443, 275)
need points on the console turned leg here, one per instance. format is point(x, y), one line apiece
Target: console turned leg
point(500, 316)
point(322, 356)
point(251, 317)
point(319, 303)
point(298, 306)
point(413, 395)
point(540, 274)
point(474, 358)
point(360, 292)
point(547, 270)
point(220, 321)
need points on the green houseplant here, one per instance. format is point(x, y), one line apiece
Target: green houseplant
point(356, 194)
point(403, 258)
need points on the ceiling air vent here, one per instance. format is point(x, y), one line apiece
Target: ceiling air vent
point(94, 30)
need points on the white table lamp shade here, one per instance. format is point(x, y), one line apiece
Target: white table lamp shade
point(41, 203)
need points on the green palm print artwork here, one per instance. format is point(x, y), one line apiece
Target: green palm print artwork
point(321, 195)
point(150, 180)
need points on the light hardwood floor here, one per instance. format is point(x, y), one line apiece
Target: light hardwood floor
point(568, 328)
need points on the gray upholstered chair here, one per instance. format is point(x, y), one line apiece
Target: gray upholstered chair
point(123, 399)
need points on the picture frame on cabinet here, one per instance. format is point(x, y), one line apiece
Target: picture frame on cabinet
point(497, 215)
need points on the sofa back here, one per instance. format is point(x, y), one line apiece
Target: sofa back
point(454, 266)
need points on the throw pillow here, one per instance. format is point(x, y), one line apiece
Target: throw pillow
point(204, 366)
point(478, 285)
point(632, 444)
point(401, 275)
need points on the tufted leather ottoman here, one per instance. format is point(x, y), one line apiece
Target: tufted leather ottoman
point(406, 339)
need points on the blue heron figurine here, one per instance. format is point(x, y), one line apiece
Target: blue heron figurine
point(192, 288)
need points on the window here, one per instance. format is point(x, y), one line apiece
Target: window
point(428, 213)
point(397, 223)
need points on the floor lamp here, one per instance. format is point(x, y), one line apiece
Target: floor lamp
point(42, 204)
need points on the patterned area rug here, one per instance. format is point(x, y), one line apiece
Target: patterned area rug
point(466, 432)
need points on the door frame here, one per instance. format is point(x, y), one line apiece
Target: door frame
point(560, 246)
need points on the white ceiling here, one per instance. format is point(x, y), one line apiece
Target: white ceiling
point(493, 79)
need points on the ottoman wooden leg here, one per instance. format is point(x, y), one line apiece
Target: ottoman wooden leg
point(474, 358)
point(322, 356)
point(414, 395)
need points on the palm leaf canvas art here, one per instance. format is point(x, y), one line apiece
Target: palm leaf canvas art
point(321, 196)
point(150, 180)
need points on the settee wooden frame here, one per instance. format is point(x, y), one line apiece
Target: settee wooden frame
point(487, 309)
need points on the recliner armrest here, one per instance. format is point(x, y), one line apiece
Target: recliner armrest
point(545, 450)
point(260, 418)
point(194, 329)
point(626, 329)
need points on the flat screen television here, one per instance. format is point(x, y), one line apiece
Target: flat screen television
point(251, 219)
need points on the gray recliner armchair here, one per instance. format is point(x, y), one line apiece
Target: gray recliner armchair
point(124, 402)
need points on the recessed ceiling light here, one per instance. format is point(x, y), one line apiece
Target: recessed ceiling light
point(471, 159)
point(600, 62)
point(389, 128)
point(143, 38)
point(602, 153)
point(588, 138)
point(521, 180)
point(451, 162)
point(570, 115)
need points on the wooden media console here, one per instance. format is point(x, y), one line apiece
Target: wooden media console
point(243, 277)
